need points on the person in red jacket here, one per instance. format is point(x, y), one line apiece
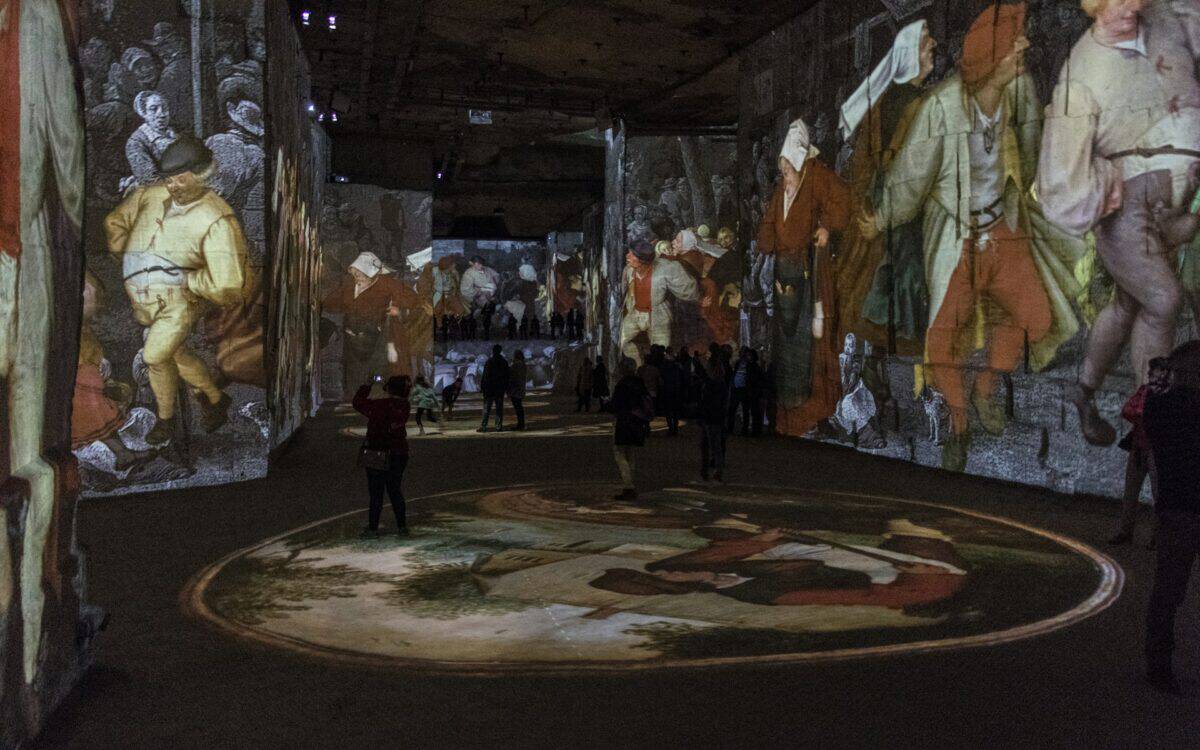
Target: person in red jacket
point(387, 430)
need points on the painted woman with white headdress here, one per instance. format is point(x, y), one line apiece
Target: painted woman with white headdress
point(367, 297)
point(881, 282)
point(810, 205)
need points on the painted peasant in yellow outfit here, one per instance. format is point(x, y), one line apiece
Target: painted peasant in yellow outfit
point(174, 257)
point(203, 236)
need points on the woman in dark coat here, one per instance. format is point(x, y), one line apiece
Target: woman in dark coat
point(632, 409)
point(387, 430)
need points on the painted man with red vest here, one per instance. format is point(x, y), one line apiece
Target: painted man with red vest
point(650, 282)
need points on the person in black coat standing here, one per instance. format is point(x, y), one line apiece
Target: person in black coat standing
point(600, 383)
point(1171, 420)
point(494, 385)
point(745, 393)
point(633, 409)
point(711, 413)
point(518, 374)
point(672, 387)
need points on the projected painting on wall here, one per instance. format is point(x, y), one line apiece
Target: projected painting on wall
point(682, 277)
point(301, 155)
point(378, 285)
point(971, 225)
point(488, 292)
point(170, 384)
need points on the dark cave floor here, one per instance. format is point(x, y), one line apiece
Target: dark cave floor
point(164, 678)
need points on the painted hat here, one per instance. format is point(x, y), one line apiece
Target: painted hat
point(643, 251)
point(186, 154)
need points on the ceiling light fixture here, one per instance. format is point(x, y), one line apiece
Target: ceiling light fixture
point(332, 22)
point(306, 17)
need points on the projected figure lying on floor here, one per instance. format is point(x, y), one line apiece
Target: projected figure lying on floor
point(566, 576)
point(913, 565)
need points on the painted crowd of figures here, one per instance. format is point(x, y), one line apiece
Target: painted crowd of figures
point(181, 215)
point(962, 224)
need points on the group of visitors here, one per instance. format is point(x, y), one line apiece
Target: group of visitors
point(677, 384)
point(711, 389)
point(518, 325)
point(591, 383)
point(569, 326)
point(501, 379)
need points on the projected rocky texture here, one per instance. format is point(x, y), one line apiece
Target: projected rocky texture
point(563, 577)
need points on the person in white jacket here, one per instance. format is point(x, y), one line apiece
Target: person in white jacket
point(650, 283)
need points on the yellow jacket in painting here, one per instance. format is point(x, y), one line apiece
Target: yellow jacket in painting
point(203, 239)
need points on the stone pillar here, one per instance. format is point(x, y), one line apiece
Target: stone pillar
point(45, 629)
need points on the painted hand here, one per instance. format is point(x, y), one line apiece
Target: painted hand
point(393, 311)
point(821, 238)
point(867, 226)
point(1114, 199)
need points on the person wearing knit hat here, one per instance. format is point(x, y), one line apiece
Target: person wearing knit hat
point(967, 166)
point(650, 284)
point(1122, 135)
point(810, 204)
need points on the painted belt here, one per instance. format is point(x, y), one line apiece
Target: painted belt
point(157, 270)
point(1167, 150)
point(986, 218)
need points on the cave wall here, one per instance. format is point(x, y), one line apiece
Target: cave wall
point(46, 627)
point(154, 73)
point(300, 154)
point(1015, 347)
point(388, 230)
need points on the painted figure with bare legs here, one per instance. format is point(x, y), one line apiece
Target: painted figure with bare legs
point(1121, 145)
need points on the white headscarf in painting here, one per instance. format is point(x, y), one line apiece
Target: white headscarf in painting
point(418, 260)
point(370, 265)
point(901, 64)
point(692, 241)
point(797, 148)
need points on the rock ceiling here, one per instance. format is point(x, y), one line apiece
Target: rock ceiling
point(412, 68)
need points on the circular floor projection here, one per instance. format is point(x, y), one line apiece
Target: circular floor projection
point(564, 577)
